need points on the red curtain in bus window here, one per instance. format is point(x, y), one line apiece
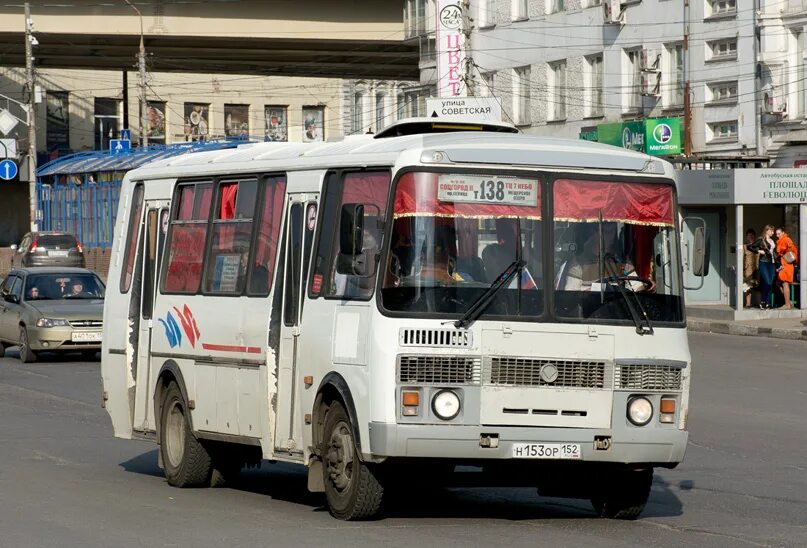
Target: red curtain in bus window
point(367, 188)
point(416, 195)
point(642, 239)
point(636, 203)
point(228, 195)
point(185, 212)
point(271, 214)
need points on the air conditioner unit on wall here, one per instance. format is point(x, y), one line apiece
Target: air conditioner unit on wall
point(614, 13)
point(772, 104)
point(651, 60)
point(651, 84)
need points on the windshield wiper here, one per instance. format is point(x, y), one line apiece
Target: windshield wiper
point(643, 325)
point(482, 302)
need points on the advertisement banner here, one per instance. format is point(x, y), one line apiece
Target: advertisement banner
point(663, 136)
point(450, 45)
point(628, 135)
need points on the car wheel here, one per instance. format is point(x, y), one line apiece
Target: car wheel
point(2, 349)
point(88, 355)
point(26, 354)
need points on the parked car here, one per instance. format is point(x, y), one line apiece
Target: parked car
point(51, 309)
point(48, 249)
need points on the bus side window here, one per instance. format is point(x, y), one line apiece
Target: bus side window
point(226, 266)
point(371, 189)
point(270, 213)
point(135, 211)
point(186, 238)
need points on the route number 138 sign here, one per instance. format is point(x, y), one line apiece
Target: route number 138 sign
point(487, 189)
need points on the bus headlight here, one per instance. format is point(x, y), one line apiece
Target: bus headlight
point(446, 404)
point(640, 410)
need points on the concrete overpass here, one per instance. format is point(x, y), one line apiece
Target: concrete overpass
point(336, 38)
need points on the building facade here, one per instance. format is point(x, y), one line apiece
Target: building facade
point(567, 67)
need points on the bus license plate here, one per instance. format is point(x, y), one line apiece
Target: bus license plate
point(547, 451)
point(79, 336)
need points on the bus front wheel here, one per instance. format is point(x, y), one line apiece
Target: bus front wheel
point(623, 494)
point(186, 461)
point(352, 488)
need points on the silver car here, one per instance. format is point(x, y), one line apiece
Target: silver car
point(51, 309)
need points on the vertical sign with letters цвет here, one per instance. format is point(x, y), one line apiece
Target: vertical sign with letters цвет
point(450, 45)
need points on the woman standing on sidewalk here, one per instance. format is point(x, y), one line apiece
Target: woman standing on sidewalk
point(766, 249)
point(788, 254)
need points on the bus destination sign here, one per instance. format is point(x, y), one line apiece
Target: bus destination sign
point(487, 190)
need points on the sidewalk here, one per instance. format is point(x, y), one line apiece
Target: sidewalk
point(777, 328)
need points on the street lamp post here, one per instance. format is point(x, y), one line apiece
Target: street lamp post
point(141, 63)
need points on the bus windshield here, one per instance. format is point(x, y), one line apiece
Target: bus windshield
point(453, 235)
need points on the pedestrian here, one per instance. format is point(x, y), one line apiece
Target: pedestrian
point(788, 256)
point(765, 248)
point(750, 266)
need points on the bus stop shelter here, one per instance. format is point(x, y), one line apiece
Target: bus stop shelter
point(79, 193)
point(729, 202)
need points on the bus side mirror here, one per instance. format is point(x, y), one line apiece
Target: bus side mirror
point(351, 229)
point(700, 253)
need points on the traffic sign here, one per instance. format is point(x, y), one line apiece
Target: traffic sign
point(126, 134)
point(116, 146)
point(487, 109)
point(8, 170)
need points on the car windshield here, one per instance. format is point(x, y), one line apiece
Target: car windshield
point(454, 234)
point(48, 287)
point(608, 233)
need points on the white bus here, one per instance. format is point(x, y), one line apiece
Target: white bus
point(385, 308)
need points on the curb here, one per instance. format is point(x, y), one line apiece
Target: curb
point(732, 328)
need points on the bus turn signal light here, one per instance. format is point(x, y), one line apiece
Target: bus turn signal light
point(667, 411)
point(410, 399)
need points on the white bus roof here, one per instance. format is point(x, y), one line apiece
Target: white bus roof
point(463, 148)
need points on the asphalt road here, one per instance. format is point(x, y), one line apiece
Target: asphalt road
point(65, 481)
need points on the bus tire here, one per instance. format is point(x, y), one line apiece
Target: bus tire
point(26, 354)
point(186, 462)
point(623, 495)
point(352, 488)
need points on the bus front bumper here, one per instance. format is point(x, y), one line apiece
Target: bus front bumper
point(658, 446)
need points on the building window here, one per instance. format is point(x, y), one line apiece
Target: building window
point(723, 131)
point(380, 110)
point(236, 121)
point(722, 92)
point(521, 95)
point(594, 85)
point(358, 112)
point(197, 125)
point(519, 9)
point(555, 6)
point(107, 121)
point(557, 86)
point(57, 130)
point(675, 75)
point(488, 84)
point(722, 49)
point(276, 123)
point(633, 80)
point(720, 7)
point(313, 124)
point(487, 13)
point(400, 106)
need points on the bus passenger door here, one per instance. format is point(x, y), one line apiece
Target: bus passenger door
point(299, 238)
point(152, 243)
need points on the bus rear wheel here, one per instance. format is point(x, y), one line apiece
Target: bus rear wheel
point(352, 489)
point(623, 494)
point(185, 460)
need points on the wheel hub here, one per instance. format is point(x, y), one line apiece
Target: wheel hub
point(175, 435)
point(340, 457)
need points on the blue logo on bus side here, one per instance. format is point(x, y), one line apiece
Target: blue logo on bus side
point(172, 331)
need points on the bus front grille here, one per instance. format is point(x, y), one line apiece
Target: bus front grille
point(507, 371)
point(439, 369)
point(647, 377)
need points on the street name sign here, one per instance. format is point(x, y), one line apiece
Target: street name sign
point(486, 109)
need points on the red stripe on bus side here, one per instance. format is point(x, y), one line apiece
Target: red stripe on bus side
point(232, 348)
